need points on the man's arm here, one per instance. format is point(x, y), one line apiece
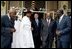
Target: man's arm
point(5, 29)
point(68, 28)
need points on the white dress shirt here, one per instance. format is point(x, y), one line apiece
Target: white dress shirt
point(9, 16)
point(61, 18)
point(48, 20)
point(36, 21)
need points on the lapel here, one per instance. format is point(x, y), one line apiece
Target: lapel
point(46, 22)
point(61, 23)
point(11, 22)
point(62, 20)
point(58, 24)
point(38, 23)
point(49, 23)
point(8, 22)
point(57, 21)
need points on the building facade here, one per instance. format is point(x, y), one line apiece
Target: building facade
point(47, 5)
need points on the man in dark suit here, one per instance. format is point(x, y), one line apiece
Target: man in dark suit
point(69, 14)
point(36, 25)
point(48, 31)
point(63, 30)
point(7, 28)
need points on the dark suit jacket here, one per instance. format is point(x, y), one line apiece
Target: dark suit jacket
point(64, 27)
point(36, 33)
point(6, 35)
point(36, 29)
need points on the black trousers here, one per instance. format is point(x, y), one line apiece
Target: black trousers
point(49, 43)
point(37, 41)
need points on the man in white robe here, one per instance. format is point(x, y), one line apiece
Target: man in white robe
point(24, 36)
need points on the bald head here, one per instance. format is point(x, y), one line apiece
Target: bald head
point(12, 10)
point(47, 15)
point(12, 13)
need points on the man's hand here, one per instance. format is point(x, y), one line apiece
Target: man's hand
point(58, 32)
point(12, 29)
point(41, 38)
point(32, 28)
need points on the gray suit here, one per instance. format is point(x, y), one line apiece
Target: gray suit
point(47, 33)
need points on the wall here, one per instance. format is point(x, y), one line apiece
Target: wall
point(3, 8)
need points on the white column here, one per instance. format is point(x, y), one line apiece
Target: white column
point(3, 9)
point(46, 6)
